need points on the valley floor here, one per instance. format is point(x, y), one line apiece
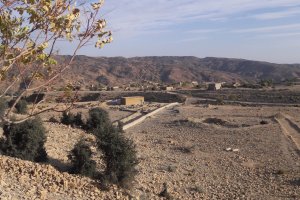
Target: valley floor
point(190, 155)
point(185, 148)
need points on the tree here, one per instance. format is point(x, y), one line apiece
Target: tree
point(29, 33)
point(81, 159)
point(98, 120)
point(119, 154)
point(25, 140)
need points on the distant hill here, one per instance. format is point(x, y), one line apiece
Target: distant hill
point(120, 70)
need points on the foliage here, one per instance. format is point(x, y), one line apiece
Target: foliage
point(81, 160)
point(70, 119)
point(30, 32)
point(3, 106)
point(78, 120)
point(25, 140)
point(266, 83)
point(67, 118)
point(118, 151)
point(98, 119)
point(21, 107)
point(164, 193)
point(53, 120)
point(90, 97)
point(220, 100)
point(119, 154)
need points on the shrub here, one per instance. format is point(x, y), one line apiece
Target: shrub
point(21, 106)
point(71, 119)
point(220, 100)
point(78, 120)
point(98, 119)
point(67, 118)
point(119, 155)
point(264, 122)
point(118, 152)
point(25, 140)
point(164, 193)
point(3, 106)
point(81, 160)
point(53, 120)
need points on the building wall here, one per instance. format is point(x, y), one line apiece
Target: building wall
point(218, 86)
point(132, 101)
point(215, 86)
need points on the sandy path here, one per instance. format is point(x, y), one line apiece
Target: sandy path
point(290, 129)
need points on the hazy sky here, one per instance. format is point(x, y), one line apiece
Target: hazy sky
point(266, 30)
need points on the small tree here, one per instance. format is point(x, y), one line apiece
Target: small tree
point(25, 140)
point(119, 155)
point(30, 33)
point(98, 119)
point(81, 160)
point(71, 119)
point(78, 122)
point(67, 118)
point(21, 107)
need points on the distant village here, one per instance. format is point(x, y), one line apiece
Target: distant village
point(153, 86)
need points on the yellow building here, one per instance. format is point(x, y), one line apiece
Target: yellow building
point(136, 100)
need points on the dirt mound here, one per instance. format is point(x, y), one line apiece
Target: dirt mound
point(215, 121)
point(27, 180)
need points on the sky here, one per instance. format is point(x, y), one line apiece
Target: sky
point(266, 30)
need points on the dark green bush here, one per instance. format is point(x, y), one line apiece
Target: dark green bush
point(119, 155)
point(81, 160)
point(98, 119)
point(164, 193)
point(25, 140)
point(53, 120)
point(67, 118)
point(3, 106)
point(21, 106)
point(71, 119)
point(78, 120)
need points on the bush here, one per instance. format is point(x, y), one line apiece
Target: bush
point(220, 101)
point(98, 119)
point(3, 106)
point(25, 140)
point(71, 119)
point(78, 120)
point(67, 118)
point(119, 155)
point(164, 193)
point(53, 120)
point(118, 152)
point(81, 160)
point(21, 106)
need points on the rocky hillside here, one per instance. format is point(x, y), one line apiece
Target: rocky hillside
point(119, 70)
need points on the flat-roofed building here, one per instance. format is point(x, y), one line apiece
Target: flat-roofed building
point(214, 86)
point(167, 88)
point(135, 100)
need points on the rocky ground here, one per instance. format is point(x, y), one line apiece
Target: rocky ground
point(182, 147)
point(190, 155)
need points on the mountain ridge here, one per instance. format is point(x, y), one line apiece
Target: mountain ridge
point(170, 69)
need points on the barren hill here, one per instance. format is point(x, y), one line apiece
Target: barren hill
point(120, 70)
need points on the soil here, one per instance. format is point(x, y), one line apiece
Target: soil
point(178, 160)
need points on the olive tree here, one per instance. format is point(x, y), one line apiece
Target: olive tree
point(30, 31)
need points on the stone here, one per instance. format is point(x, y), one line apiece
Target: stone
point(228, 149)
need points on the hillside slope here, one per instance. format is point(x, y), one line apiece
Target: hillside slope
point(119, 70)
